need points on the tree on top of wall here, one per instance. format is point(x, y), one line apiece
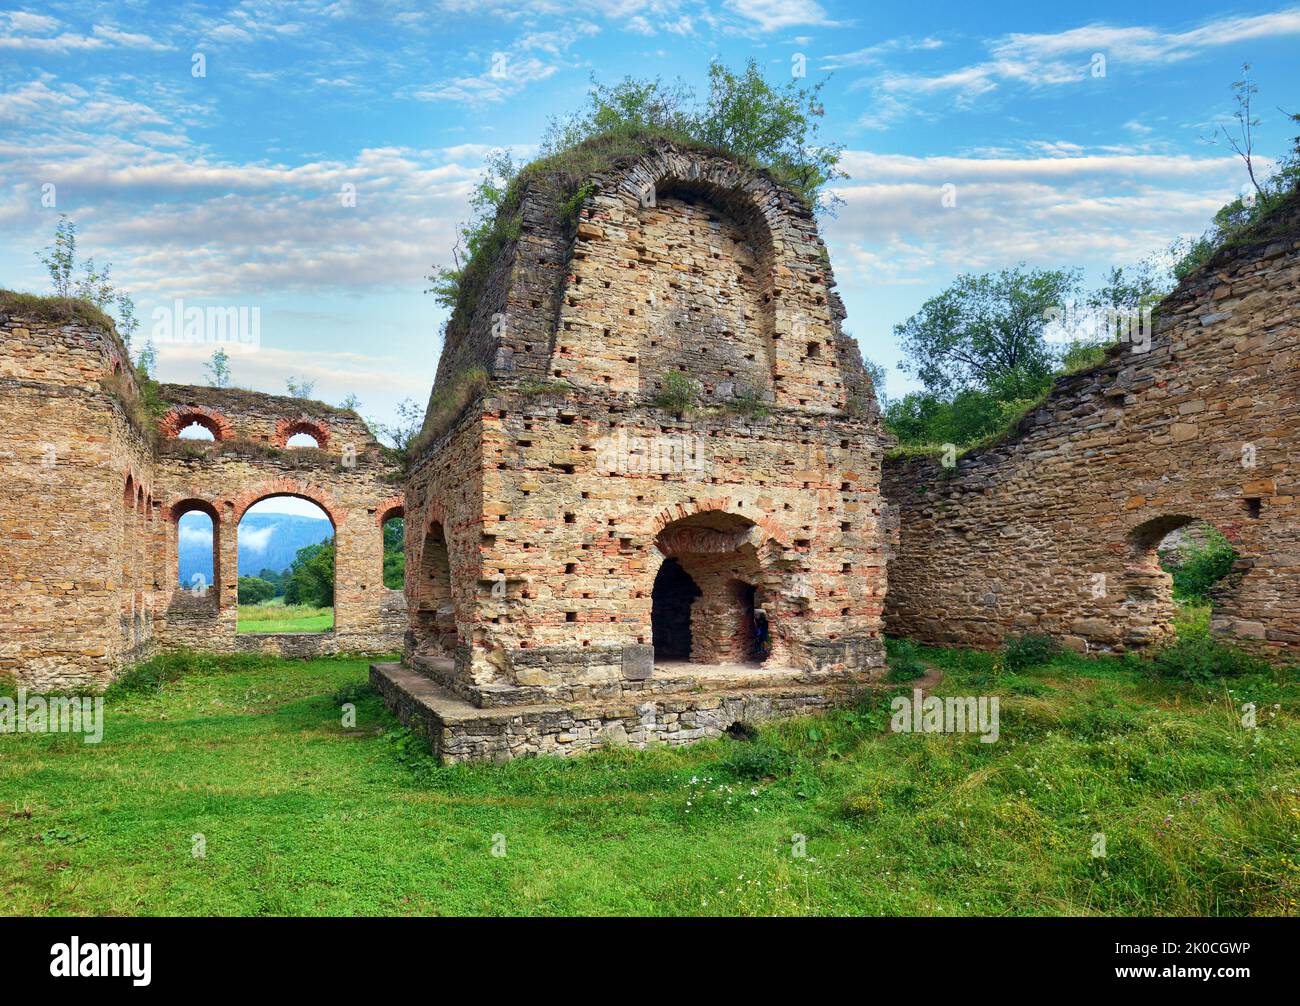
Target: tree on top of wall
point(95, 285)
point(218, 369)
point(774, 127)
point(1265, 193)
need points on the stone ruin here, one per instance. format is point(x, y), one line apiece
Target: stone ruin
point(591, 562)
point(96, 484)
point(1054, 529)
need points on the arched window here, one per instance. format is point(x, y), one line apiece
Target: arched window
point(286, 567)
point(198, 571)
point(302, 440)
point(195, 431)
point(434, 622)
point(1196, 558)
point(394, 536)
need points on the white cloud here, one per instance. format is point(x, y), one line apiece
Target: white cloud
point(1056, 59)
point(195, 532)
point(22, 30)
point(773, 15)
point(1059, 209)
point(256, 539)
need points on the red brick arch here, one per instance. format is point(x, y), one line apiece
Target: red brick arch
point(181, 416)
point(288, 487)
point(394, 506)
point(181, 505)
point(722, 504)
point(286, 428)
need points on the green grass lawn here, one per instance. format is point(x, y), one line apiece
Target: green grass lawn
point(273, 617)
point(301, 814)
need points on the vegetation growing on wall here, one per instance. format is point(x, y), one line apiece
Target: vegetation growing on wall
point(773, 128)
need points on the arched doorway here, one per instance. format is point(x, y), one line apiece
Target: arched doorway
point(198, 540)
point(434, 620)
point(1181, 564)
point(707, 601)
point(285, 560)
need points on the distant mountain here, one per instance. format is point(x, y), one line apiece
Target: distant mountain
point(266, 541)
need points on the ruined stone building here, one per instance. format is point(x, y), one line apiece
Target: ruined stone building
point(653, 497)
point(95, 485)
point(589, 560)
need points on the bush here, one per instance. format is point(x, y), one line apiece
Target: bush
point(1030, 650)
point(905, 662)
point(1198, 567)
point(678, 392)
point(759, 759)
point(354, 692)
point(1201, 661)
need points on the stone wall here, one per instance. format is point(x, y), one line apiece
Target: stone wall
point(1054, 530)
point(78, 514)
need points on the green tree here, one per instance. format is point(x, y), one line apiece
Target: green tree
point(310, 578)
point(94, 285)
point(254, 590)
point(774, 127)
point(276, 578)
point(398, 435)
point(299, 388)
point(1264, 193)
point(218, 369)
point(987, 333)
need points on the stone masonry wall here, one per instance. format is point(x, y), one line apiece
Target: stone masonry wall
point(78, 514)
point(1055, 529)
point(346, 476)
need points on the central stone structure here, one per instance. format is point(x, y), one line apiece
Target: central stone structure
point(647, 505)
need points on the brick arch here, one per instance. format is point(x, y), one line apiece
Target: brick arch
point(287, 487)
point(181, 505)
point(748, 195)
point(181, 416)
point(770, 530)
point(394, 506)
point(286, 428)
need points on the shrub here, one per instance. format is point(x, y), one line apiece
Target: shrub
point(1197, 567)
point(747, 402)
point(1201, 660)
point(1033, 649)
point(905, 662)
point(678, 392)
point(759, 759)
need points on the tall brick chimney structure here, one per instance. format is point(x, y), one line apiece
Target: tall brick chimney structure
point(647, 504)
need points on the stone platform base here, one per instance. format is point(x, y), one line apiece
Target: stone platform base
point(688, 703)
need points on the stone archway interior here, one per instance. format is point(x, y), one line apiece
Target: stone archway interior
point(712, 567)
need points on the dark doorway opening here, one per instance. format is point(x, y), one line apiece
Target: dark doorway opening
point(754, 642)
point(670, 611)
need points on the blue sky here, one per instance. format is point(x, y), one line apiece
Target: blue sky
point(224, 189)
